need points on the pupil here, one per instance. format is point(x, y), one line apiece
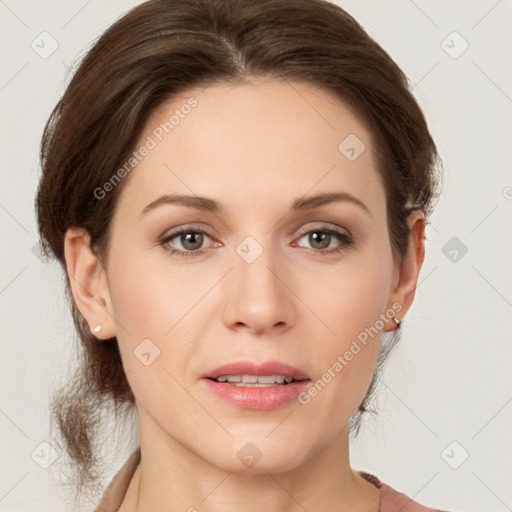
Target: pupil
point(189, 238)
point(323, 236)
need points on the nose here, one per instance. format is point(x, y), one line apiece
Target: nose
point(259, 298)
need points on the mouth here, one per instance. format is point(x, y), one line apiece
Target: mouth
point(255, 381)
point(250, 374)
point(256, 386)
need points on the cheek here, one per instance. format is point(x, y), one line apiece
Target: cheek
point(159, 311)
point(350, 305)
point(149, 298)
point(153, 312)
point(351, 299)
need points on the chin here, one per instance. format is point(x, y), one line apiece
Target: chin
point(251, 455)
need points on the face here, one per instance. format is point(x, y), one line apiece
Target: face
point(257, 273)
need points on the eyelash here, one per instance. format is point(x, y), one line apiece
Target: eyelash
point(344, 237)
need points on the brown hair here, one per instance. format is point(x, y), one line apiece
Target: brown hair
point(164, 47)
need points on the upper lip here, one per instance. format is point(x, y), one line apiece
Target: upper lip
point(250, 368)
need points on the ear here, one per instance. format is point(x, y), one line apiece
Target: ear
point(88, 282)
point(407, 280)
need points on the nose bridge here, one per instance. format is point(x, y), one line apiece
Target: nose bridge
point(257, 295)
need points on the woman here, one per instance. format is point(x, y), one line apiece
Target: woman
point(237, 192)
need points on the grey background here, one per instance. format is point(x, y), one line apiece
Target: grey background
point(448, 382)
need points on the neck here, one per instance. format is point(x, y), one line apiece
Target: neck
point(173, 478)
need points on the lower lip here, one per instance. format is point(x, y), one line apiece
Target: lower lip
point(269, 397)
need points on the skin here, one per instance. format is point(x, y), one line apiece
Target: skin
point(254, 148)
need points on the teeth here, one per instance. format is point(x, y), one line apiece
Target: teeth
point(255, 380)
point(249, 385)
point(268, 379)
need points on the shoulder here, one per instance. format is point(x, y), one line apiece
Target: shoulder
point(115, 492)
point(392, 500)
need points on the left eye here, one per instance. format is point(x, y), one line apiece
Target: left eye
point(322, 238)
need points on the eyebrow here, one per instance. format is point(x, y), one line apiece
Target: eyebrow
point(301, 204)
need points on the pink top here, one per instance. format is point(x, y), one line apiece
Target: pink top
point(390, 500)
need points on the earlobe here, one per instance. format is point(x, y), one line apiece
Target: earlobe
point(412, 262)
point(88, 282)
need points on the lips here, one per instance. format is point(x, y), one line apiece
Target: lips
point(259, 386)
point(268, 368)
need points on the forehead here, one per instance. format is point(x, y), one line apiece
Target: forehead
point(252, 142)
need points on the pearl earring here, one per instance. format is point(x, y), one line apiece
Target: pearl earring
point(97, 329)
